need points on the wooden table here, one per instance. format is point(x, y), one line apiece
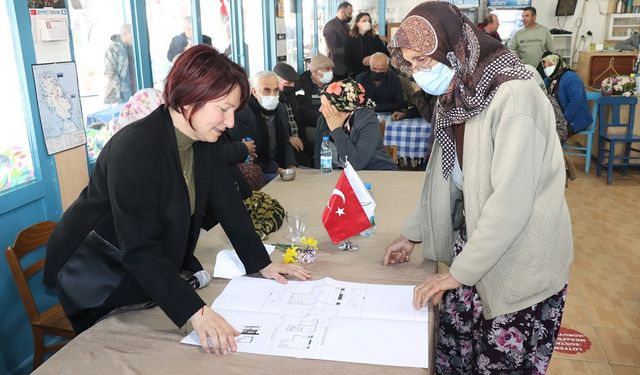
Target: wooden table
point(147, 342)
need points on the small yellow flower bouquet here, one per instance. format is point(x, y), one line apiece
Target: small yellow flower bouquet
point(305, 252)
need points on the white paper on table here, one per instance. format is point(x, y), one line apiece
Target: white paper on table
point(228, 264)
point(325, 319)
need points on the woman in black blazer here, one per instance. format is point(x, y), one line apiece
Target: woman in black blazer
point(134, 228)
point(362, 43)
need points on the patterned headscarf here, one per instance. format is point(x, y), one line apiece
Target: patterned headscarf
point(561, 67)
point(480, 64)
point(138, 106)
point(347, 95)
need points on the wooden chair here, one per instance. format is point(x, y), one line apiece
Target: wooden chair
point(391, 150)
point(52, 321)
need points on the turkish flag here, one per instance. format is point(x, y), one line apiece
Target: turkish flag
point(344, 216)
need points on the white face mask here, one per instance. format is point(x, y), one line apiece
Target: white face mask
point(549, 70)
point(326, 77)
point(435, 81)
point(364, 27)
point(269, 102)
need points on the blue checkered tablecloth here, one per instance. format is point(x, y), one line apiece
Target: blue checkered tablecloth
point(410, 135)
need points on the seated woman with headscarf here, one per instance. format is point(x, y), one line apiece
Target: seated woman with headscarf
point(353, 128)
point(568, 89)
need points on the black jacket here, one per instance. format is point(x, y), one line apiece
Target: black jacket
point(361, 47)
point(309, 103)
point(179, 42)
point(137, 204)
point(248, 123)
point(336, 34)
point(389, 96)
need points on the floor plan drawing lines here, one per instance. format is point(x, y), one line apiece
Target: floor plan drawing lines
point(298, 342)
point(305, 326)
point(250, 330)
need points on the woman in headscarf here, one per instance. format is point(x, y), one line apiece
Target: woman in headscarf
point(568, 89)
point(353, 128)
point(507, 239)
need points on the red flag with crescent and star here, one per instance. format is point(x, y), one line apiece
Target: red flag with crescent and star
point(344, 216)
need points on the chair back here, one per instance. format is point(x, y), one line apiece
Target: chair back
point(383, 124)
point(28, 240)
point(616, 103)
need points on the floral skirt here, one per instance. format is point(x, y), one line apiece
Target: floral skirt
point(516, 343)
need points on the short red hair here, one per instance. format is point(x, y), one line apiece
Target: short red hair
point(202, 74)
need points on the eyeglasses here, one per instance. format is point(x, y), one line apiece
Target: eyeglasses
point(420, 63)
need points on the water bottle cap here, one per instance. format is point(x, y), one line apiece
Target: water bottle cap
point(325, 138)
point(367, 185)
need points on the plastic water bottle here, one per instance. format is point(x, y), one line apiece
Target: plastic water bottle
point(326, 157)
point(249, 157)
point(372, 219)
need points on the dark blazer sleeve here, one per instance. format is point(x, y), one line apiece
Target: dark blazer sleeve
point(224, 200)
point(134, 192)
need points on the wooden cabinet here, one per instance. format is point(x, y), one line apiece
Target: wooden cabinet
point(620, 26)
point(594, 67)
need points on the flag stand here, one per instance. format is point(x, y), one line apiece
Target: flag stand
point(347, 245)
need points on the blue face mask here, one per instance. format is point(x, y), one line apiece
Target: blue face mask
point(435, 81)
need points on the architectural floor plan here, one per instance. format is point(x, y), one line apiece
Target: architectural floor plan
point(325, 319)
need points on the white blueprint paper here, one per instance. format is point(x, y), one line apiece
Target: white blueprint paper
point(325, 319)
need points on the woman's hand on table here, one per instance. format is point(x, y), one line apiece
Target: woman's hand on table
point(276, 271)
point(216, 335)
point(398, 252)
point(433, 288)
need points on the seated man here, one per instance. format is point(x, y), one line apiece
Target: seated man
point(311, 83)
point(287, 78)
point(382, 85)
point(264, 120)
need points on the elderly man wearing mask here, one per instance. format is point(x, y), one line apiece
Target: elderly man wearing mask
point(382, 85)
point(264, 121)
point(312, 81)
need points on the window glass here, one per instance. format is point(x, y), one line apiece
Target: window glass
point(308, 30)
point(215, 23)
point(323, 18)
point(170, 33)
point(287, 38)
point(103, 49)
point(253, 36)
point(16, 162)
point(510, 22)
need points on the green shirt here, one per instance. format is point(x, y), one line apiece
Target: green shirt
point(530, 44)
point(185, 152)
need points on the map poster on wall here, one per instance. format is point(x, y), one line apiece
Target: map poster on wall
point(59, 105)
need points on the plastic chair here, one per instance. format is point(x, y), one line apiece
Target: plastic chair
point(585, 151)
point(607, 140)
point(52, 321)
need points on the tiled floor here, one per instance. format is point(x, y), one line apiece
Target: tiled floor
point(604, 289)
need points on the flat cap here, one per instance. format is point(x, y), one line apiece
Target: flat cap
point(285, 71)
